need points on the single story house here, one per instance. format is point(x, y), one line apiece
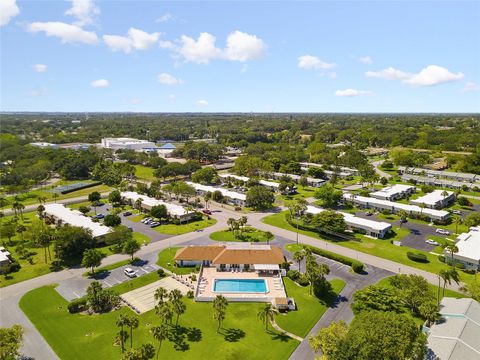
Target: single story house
point(4, 257)
point(312, 182)
point(468, 245)
point(437, 199)
point(394, 192)
point(450, 175)
point(232, 197)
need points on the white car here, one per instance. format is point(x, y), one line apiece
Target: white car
point(130, 272)
point(442, 232)
point(432, 242)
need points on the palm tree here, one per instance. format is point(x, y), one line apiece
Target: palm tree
point(21, 229)
point(122, 321)
point(165, 312)
point(457, 221)
point(132, 323)
point(40, 210)
point(178, 305)
point(207, 197)
point(422, 206)
point(219, 308)
point(138, 204)
point(298, 256)
point(160, 295)
point(20, 209)
point(445, 276)
point(44, 240)
point(403, 216)
point(455, 276)
point(159, 333)
point(452, 248)
point(444, 194)
point(55, 196)
point(269, 236)
point(267, 314)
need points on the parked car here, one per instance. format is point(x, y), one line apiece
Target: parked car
point(457, 212)
point(154, 224)
point(432, 242)
point(98, 203)
point(442, 232)
point(368, 213)
point(130, 272)
point(145, 220)
point(206, 211)
point(98, 216)
point(127, 213)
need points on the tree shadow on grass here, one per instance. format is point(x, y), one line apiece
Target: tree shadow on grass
point(279, 336)
point(233, 335)
point(179, 335)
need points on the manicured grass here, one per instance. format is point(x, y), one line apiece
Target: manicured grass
point(448, 293)
point(378, 247)
point(136, 218)
point(249, 235)
point(309, 308)
point(141, 238)
point(86, 337)
point(107, 268)
point(166, 257)
point(172, 229)
point(136, 283)
point(144, 172)
point(302, 193)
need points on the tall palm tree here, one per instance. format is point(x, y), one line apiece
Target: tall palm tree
point(269, 236)
point(452, 248)
point(454, 276)
point(457, 221)
point(132, 323)
point(40, 210)
point(55, 196)
point(445, 276)
point(21, 229)
point(267, 314)
point(122, 321)
point(403, 216)
point(160, 295)
point(21, 207)
point(444, 194)
point(159, 333)
point(165, 312)
point(220, 304)
point(298, 256)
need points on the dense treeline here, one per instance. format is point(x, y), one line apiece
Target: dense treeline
point(437, 132)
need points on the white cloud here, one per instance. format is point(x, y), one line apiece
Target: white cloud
point(136, 39)
point(84, 10)
point(431, 75)
point(40, 68)
point(200, 51)
point(100, 83)
point(310, 62)
point(202, 102)
point(8, 10)
point(165, 44)
point(136, 100)
point(365, 59)
point(167, 79)
point(39, 92)
point(165, 17)
point(388, 74)
point(352, 92)
point(332, 75)
point(66, 32)
point(240, 47)
point(471, 86)
point(244, 47)
point(172, 97)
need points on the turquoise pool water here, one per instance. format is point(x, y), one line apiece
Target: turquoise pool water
point(240, 286)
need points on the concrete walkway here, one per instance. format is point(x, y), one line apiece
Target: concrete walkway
point(278, 328)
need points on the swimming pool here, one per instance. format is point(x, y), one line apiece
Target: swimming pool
point(240, 286)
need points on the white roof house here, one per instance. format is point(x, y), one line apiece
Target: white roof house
point(395, 207)
point(372, 227)
point(126, 143)
point(233, 176)
point(468, 245)
point(393, 192)
point(76, 218)
point(4, 256)
point(225, 192)
point(271, 184)
point(294, 177)
point(435, 199)
point(172, 209)
point(456, 336)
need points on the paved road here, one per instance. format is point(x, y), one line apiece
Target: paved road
point(376, 165)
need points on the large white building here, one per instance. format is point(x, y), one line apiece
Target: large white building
point(468, 245)
point(393, 207)
point(369, 227)
point(393, 192)
point(232, 197)
point(4, 257)
point(174, 210)
point(436, 199)
point(313, 182)
point(127, 143)
point(63, 215)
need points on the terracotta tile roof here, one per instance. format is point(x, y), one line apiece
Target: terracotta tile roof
point(199, 252)
point(281, 301)
point(271, 255)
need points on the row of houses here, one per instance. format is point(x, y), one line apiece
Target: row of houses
point(345, 171)
point(457, 176)
point(231, 197)
point(377, 229)
point(312, 182)
point(432, 181)
point(269, 184)
point(394, 207)
point(468, 245)
point(437, 199)
point(62, 215)
point(394, 192)
point(147, 203)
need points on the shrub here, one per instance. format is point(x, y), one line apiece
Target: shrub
point(190, 294)
point(14, 266)
point(77, 305)
point(293, 274)
point(357, 266)
point(197, 268)
point(193, 277)
point(441, 258)
point(417, 257)
point(330, 255)
point(460, 265)
point(302, 280)
point(161, 273)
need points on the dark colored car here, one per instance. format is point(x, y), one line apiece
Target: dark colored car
point(206, 211)
point(127, 213)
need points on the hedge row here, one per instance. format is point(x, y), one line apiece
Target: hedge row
point(356, 265)
point(86, 186)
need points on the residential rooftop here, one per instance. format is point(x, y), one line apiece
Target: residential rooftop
point(172, 209)
point(432, 198)
point(225, 192)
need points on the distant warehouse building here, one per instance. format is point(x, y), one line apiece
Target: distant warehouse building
point(437, 199)
point(127, 144)
point(147, 202)
point(377, 229)
point(231, 197)
point(393, 207)
point(62, 215)
point(394, 192)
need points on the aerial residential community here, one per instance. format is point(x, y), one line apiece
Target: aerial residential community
point(239, 180)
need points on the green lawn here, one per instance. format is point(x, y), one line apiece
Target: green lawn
point(250, 234)
point(172, 229)
point(144, 172)
point(107, 268)
point(86, 337)
point(302, 193)
point(378, 247)
point(166, 257)
point(309, 308)
point(31, 197)
point(141, 238)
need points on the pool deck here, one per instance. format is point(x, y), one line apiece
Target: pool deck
point(275, 286)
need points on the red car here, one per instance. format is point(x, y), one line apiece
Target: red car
point(206, 211)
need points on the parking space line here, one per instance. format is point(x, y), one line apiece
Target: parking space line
point(106, 282)
point(144, 270)
point(74, 293)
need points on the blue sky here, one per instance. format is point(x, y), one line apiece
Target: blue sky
point(86, 55)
